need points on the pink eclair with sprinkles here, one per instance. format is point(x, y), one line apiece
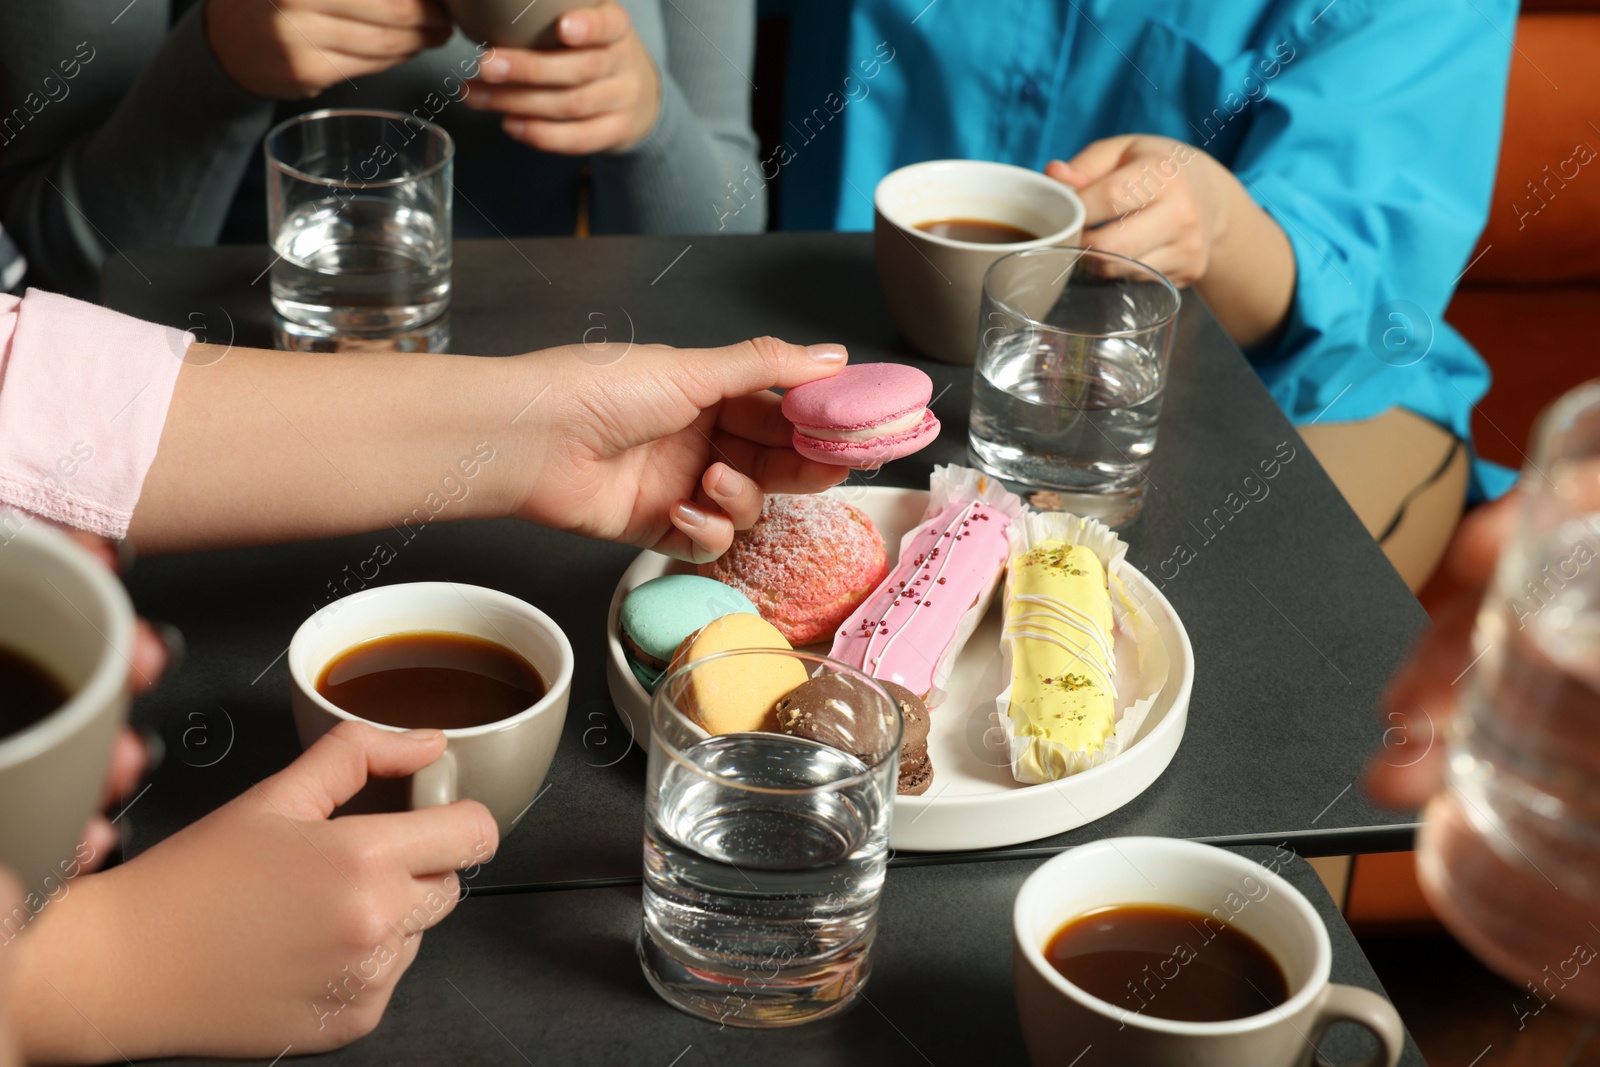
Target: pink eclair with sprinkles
point(912, 626)
point(864, 416)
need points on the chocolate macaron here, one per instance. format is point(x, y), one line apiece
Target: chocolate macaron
point(916, 766)
point(823, 710)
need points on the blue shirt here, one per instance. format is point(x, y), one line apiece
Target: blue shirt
point(1367, 128)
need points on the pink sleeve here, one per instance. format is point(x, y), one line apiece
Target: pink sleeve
point(83, 396)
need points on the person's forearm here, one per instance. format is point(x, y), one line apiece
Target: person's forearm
point(264, 446)
point(1250, 279)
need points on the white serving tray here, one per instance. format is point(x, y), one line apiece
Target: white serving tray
point(973, 803)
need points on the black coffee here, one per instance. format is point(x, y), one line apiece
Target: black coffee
point(432, 680)
point(977, 231)
point(1168, 962)
point(28, 692)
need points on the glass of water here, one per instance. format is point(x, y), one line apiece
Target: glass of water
point(1071, 366)
point(1509, 851)
point(358, 213)
point(764, 854)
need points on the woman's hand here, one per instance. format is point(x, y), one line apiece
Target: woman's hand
point(1426, 694)
point(12, 898)
point(599, 93)
point(129, 759)
point(1177, 210)
point(265, 924)
point(292, 49)
point(665, 448)
point(1160, 201)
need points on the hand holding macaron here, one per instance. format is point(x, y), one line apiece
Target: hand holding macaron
point(663, 448)
point(676, 449)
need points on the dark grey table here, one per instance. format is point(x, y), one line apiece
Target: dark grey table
point(552, 978)
point(1295, 616)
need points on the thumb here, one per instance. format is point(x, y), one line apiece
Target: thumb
point(709, 375)
point(1094, 162)
point(339, 763)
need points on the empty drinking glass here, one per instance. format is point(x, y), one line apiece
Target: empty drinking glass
point(764, 854)
point(1070, 370)
point(358, 213)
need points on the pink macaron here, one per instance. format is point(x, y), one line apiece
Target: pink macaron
point(864, 416)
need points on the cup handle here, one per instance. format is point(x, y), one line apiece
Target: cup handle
point(435, 784)
point(1352, 1004)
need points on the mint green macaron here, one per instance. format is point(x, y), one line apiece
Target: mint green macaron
point(659, 614)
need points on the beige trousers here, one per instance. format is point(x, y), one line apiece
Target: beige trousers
point(1405, 478)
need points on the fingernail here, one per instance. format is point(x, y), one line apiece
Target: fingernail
point(829, 354)
point(177, 644)
point(574, 29)
point(155, 749)
point(688, 514)
point(730, 483)
point(494, 70)
point(514, 127)
point(424, 735)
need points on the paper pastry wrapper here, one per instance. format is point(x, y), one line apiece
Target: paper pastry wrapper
point(1035, 760)
point(951, 484)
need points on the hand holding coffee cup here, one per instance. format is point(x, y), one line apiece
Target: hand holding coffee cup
point(67, 635)
point(491, 671)
point(580, 81)
point(336, 909)
point(285, 49)
point(1157, 951)
point(938, 226)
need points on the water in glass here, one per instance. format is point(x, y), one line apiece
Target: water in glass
point(1066, 412)
point(361, 264)
point(1509, 853)
point(761, 890)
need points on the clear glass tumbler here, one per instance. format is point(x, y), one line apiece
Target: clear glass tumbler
point(358, 213)
point(764, 854)
point(1070, 371)
point(1509, 853)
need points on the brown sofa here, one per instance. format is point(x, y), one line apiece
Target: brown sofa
point(1528, 302)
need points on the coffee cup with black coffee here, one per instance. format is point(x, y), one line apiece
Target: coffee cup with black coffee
point(66, 645)
point(491, 671)
point(1164, 952)
point(938, 226)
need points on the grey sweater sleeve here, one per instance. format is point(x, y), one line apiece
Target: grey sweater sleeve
point(142, 146)
point(696, 171)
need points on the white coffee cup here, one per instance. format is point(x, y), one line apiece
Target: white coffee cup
point(513, 23)
point(61, 608)
point(934, 284)
point(1060, 1021)
point(501, 764)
